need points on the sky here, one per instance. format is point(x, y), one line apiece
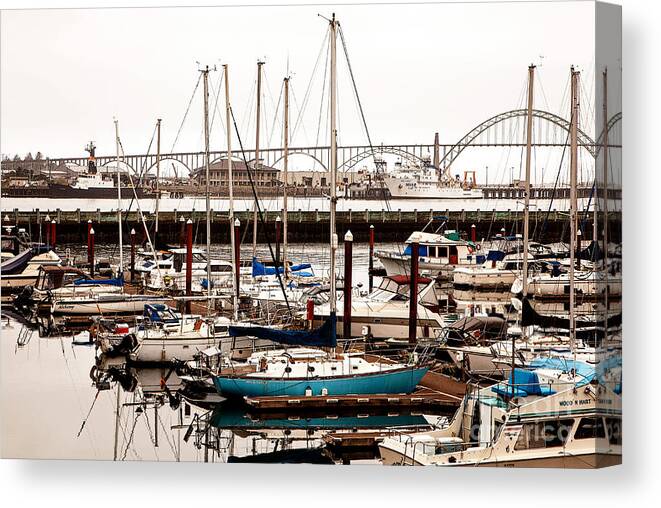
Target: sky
point(419, 69)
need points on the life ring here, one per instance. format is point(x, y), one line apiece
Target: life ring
point(478, 247)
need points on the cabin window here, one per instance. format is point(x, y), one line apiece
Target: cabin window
point(544, 434)
point(590, 428)
point(442, 252)
point(614, 429)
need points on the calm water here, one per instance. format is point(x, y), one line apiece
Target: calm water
point(59, 400)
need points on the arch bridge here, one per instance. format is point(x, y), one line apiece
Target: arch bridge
point(503, 130)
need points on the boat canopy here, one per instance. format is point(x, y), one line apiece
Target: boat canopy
point(324, 336)
point(522, 383)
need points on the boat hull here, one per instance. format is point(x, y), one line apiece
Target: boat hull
point(103, 306)
point(396, 381)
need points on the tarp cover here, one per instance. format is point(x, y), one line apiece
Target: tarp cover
point(259, 269)
point(119, 281)
point(324, 336)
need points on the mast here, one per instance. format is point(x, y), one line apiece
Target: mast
point(333, 166)
point(285, 178)
point(573, 205)
point(256, 163)
point(526, 206)
point(230, 178)
point(158, 175)
point(604, 152)
point(205, 74)
point(119, 202)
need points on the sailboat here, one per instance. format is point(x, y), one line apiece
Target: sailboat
point(95, 303)
point(313, 368)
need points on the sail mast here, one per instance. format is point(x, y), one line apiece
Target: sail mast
point(158, 176)
point(526, 205)
point(573, 172)
point(333, 166)
point(604, 154)
point(205, 74)
point(256, 163)
point(119, 203)
point(230, 178)
point(285, 177)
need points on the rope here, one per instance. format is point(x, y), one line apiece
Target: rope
point(259, 210)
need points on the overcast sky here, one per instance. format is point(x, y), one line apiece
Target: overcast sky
point(419, 69)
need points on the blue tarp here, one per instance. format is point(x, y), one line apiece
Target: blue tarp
point(324, 336)
point(259, 269)
point(422, 250)
point(495, 255)
point(119, 281)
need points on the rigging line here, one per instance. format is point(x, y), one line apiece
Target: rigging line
point(275, 115)
point(183, 120)
point(88, 413)
point(215, 106)
point(130, 439)
point(323, 97)
point(309, 87)
point(260, 213)
point(295, 101)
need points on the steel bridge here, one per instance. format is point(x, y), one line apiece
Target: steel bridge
point(502, 130)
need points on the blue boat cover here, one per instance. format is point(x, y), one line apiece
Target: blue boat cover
point(324, 336)
point(259, 269)
point(118, 281)
point(495, 255)
point(422, 250)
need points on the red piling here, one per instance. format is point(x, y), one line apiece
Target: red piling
point(237, 257)
point(348, 265)
point(371, 259)
point(132, 255)
point(189, 263)
point(90, 251)
point(53, 233)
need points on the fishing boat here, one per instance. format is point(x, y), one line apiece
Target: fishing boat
point(439, 254)
point(499, 271)
point(560, 413)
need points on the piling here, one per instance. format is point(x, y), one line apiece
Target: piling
point(237, 257)
point(47, 229)
point(133, 255)
point(53, 233)
point(182, 232)
point(473, 233)
point(370, 269)
point(189, 263)
point(348, 265)
point(90, 251)
point(413, 292)
point(278, 233)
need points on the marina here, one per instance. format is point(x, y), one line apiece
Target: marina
point(260, 301)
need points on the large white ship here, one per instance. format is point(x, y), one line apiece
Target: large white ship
point(421, 182)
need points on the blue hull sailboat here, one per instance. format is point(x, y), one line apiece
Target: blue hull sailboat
point(307, 370)
point(402, 380)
